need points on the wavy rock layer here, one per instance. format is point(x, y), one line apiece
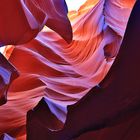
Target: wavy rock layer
point(64, 73)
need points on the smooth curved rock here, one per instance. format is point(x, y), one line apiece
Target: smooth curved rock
point(22, 20)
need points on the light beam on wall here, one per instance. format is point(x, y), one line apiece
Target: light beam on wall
point(74, 4)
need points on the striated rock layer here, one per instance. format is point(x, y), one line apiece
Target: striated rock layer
point(63, 73)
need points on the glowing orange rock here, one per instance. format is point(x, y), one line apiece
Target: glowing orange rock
point(21, 21)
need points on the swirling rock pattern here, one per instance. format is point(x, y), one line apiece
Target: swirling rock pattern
point(22, 20)
point(64, 73)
